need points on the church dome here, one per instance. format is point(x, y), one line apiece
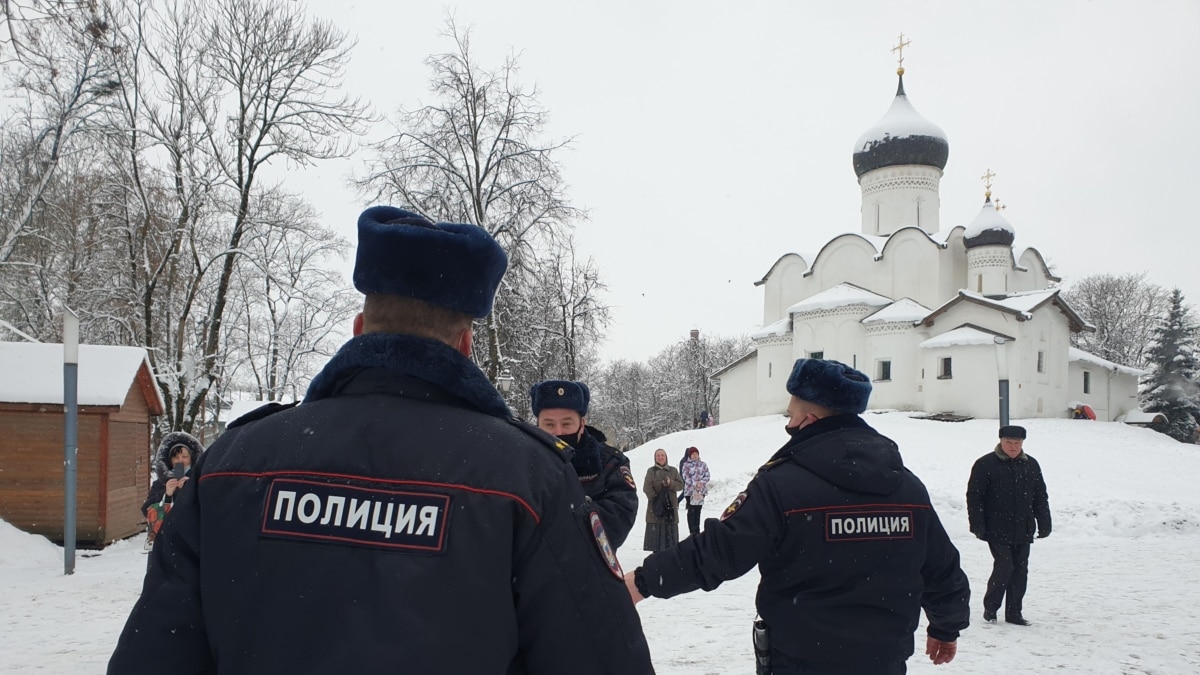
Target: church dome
point(901, 137)
point(989, 228)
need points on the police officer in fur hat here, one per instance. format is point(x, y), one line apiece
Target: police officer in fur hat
point(849, 548)
point(561, 408)
point(398, 518)
point(1007, 505)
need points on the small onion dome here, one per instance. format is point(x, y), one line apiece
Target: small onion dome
point(901, 137)
point(989, 228)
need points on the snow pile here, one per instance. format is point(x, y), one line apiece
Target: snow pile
point(904, 310)
point(900, 121)
point(963, 335)
point(988, 219)
point(841, 295)
point(21, 549)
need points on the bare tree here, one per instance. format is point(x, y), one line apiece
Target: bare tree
point(283, 73)
point(1124, 309)
point(477, 156)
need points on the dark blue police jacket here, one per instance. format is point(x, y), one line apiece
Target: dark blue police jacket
point(396, 521)
point(848, 546)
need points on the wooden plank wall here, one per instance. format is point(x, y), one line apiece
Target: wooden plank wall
point(128, 467)
point(31, 471)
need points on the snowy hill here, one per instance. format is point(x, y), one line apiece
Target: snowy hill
point(1115, 589)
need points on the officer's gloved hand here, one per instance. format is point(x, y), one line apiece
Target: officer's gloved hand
point(1043, 534)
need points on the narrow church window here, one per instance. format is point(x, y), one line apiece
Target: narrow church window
point(884, 371)
point(769, 369)
point(978, 283)
point(945, 372)
point(1087, 382)
point(1041, 361)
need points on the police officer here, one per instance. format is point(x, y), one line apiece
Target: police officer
point(1006, 504)
point(561, 409)
point(399, 519)
point(844, 536)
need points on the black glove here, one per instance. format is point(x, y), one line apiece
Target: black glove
point(1043, 534)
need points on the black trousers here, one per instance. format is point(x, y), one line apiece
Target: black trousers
point(782, 664)
point(693, 517)
point(1010, 575)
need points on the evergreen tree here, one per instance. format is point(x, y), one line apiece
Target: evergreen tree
point(1171, 387)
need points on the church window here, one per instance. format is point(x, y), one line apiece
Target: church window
point(769, 369)
point(1041, 361)
point(883, 370)
point(1087, 382)
point(817, 355)
point(978, 283)
point(945, 370)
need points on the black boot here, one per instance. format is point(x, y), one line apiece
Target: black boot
point(1016, 619)
point(989, 615)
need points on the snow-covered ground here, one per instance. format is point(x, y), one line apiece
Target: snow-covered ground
point(1115, 589)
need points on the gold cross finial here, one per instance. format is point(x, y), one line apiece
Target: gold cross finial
point(999, 206)
point(987, 183)
point(899, 49)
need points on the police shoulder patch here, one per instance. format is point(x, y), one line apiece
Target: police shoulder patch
point(628, 476)
point(733, 506)
point(604, 546)
point(336, 513)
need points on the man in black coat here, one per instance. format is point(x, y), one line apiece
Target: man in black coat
point(561, 409)
point(399, 519)
point(1006, 505)
point(848, 545)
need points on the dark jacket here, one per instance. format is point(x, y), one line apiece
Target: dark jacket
point(398, 519)
point(1006, 499)
point(652, 486)
point(848, 546)
point(606, 480)
point(162, 466)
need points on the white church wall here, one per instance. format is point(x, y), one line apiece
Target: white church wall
point(774, 364)
point(1033, 276)
point(782, 284)
point(952, 266)
point(900, 196)
point(1110, 393)
point(895, 344)
point(738, 395)
point(972, 387)
point(911, 267)
point(847, 257)
point(1040, 393)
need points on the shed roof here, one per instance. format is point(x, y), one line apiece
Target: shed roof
point(33, 373)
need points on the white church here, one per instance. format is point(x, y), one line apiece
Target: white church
point(935, 318)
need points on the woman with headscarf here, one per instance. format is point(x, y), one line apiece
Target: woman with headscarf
point(661, 485)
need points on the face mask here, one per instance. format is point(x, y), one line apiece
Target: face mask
point(574, 440)
point(792, 431)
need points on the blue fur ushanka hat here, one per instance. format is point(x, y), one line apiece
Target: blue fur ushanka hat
point(829, 383)
point(447, 264)
point(560, 394)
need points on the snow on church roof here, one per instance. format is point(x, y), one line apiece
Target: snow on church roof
point(963, 335)
point(33, 373)
point(780, 327)
point(902, 310)
point(988, 219)
point(1076, 354)
point(839, 296)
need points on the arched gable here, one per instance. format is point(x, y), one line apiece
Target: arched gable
point(1032, 262)
point(846, 257)
point(781, 285)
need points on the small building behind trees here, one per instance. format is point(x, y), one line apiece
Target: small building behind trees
point(118, 399)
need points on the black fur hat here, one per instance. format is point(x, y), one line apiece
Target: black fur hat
point(560, 394)
point(451, 265)
point(829, 383)
point(1012, 431)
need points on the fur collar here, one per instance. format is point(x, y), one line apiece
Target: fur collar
point(422, 358)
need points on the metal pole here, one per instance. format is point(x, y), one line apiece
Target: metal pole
point(70, 447)
point(1003, 403)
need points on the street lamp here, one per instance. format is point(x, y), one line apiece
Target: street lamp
point(71, 435)
point(1002, 376)
point(505, 382)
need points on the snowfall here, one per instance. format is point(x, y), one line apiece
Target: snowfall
point(1115, 589)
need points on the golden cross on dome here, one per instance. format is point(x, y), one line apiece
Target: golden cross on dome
point(999, 206)
point(899, 49)
point(987, 182)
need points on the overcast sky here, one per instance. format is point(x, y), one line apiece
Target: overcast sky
point(713, 137)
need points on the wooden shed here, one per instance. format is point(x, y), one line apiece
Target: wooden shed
point(117, 400)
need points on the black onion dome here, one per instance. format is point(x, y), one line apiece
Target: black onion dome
point(901, 137)
point(989, 228)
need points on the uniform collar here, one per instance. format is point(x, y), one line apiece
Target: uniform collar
point(407, 355)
